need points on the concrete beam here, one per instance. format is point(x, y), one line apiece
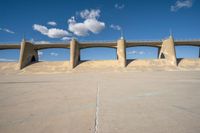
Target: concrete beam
point(74, 53)
point(9, 46)
point(168, 51)
point(28, 54)
point(121, 52)
point(53, 45)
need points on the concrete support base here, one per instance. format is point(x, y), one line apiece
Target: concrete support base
point(168, 51)
point(121, 52)
point(27, 54)
point(74, 53)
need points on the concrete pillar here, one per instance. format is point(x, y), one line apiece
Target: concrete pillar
point(74, 53)
point(121, 52)
point(168, 51)
point(27, 54)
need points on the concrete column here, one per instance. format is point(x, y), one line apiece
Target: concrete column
point(27, 54)
point(121, 52)
point(74, 53)
point(168, 51)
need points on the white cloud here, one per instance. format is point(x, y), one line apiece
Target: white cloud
point(136, 52)
point(115, 27)
point(52, 32)
point(42, 42)
point(7, 60)
point(40, 53)
point(54, 54)
point(181, 4)
point(52, 23)
point(39, 42)
point(118, 6)
point(90, 23)
point(66, 38)
point(92, 14)
point(7, 30)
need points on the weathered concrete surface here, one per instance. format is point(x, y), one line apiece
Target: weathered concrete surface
point(101, 65)
point(168, 51)
point(74, 53)
point(121, 52)
point(139, 102)
point(27, 54)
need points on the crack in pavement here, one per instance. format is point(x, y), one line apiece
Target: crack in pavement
point(96, 124)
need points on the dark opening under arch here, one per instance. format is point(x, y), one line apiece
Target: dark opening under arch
point(162, 56)
point(33, 59)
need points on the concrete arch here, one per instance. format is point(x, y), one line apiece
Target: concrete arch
point(87, 47)
point(49, 46)
point(192, 45)
point(154, 46)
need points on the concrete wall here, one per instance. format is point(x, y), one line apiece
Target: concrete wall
point(27, 54)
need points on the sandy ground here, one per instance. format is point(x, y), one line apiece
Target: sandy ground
point(108, 101)
point(101, 65)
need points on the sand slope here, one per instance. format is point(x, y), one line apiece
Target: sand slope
point(102, 65)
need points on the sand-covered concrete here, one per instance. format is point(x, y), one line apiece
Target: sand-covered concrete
point(100, 65)
point(127, 101)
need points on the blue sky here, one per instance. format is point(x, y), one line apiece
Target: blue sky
point(91, 20)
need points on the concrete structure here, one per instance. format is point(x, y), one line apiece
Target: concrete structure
point(28, 54)
point(74, 53)
point(166, 50)
point(121, 52)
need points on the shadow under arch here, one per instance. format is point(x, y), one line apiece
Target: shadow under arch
point(33, 59)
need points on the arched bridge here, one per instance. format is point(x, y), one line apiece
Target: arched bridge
point(28, 50)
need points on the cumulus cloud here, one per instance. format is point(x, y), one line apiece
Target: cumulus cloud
point(136, 52)
point(39, 42)
point(118, 6)
point(52, 23)
point(53, 54)
point(115, 27)
point(7, 30)
point(66, 38)
point(92, 14)
point(90, 23)
point(52, 32)
point(181, 4)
